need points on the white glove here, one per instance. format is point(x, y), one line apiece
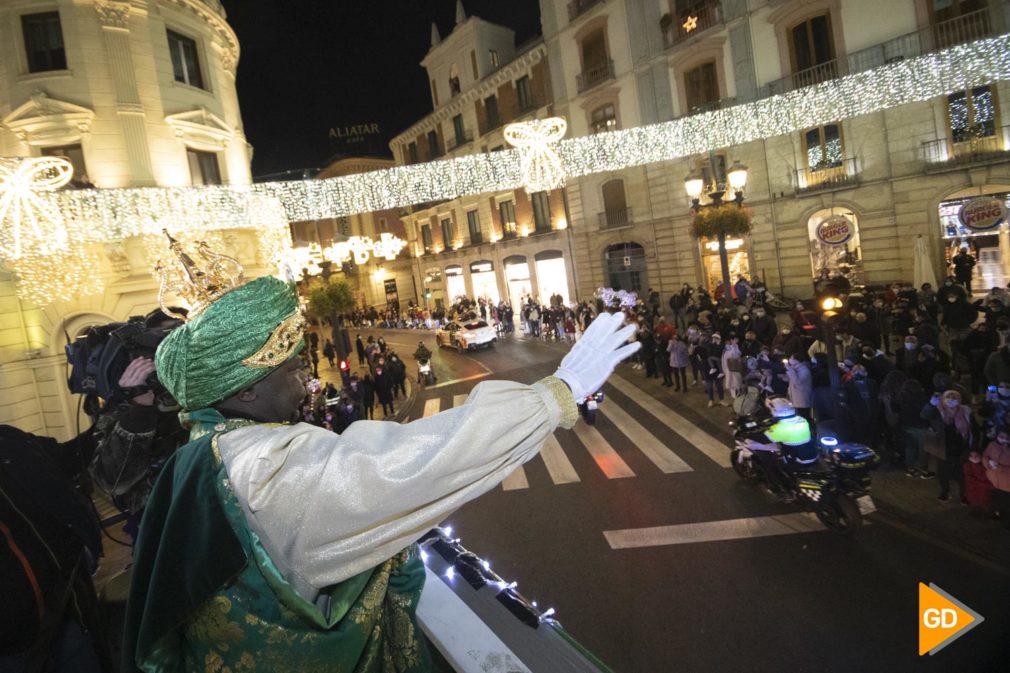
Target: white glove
point(586, 367)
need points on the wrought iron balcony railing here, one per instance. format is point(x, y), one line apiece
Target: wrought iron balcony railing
point(966, 148)
point(591, 77)
point(680, 29)
point(612, 219)
point(827, 176)
point(459, 140)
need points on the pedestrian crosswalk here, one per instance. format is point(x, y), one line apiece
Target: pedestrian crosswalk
point(624, 428)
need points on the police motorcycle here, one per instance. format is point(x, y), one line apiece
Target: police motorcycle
point(775, 448)
point(424, 373)
point(588, 407)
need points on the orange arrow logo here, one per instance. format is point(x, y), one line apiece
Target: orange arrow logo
point(942, 619)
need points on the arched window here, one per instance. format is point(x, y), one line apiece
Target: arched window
point(834, 245)
point(615, 205)
point(625, 264)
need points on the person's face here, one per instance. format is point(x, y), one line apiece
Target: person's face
point(793, 362)
point(1003, 438)
point(276, 398)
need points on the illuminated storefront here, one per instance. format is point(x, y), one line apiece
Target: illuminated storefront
point(736, 252)
point(485, 285)
point(517, 276)
point(455, 284)
point(978, 223)
point(552, 276)
point(834, 245)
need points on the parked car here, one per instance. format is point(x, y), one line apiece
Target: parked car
point(464, 336)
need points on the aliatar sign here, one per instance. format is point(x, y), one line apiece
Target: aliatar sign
point(983, 213)
point(354, 133)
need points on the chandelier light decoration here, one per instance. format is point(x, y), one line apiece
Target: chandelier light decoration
point(537, 142)
point(541, 160)
point(358, 249)
point(36, 224)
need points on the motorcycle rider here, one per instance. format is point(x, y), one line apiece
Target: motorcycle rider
point(791, 436)
point(423, 355)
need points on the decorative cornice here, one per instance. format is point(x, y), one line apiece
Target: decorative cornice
point(221, 29)
point(482, 89)
point(113, 15)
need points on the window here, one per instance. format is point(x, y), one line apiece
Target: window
point(507, 210)
point(615, 204)
point(812, 51)
point(972, 114)
point(823, 147)
point(594, 51)
point(203, 168)
point(433, 148)
point(454, 87)
point(473, 223)
point(491, 112)
point(603, 119)
point(701, 88)
point(185, 60)
point(75, 155)
point(458, 130)
point(713, 171)
point(524, 93)
point(448, 235)
point(426, 236)
point(541, 211)
point(412, 153)
point(495, 63)
point(44, 42)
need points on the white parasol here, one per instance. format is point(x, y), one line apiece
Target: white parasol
point(922, 270)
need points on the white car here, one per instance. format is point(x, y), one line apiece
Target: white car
point(464, 336)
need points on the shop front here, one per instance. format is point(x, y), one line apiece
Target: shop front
point(626, 270)
point(433, 284)
point(485, 284)
point(736, 253)
point(977, 224)
point(517, 277)
point(455, 283)
point(836, 257)
point(552, 276)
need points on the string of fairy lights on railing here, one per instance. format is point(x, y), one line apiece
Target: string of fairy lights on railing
point(540, 161)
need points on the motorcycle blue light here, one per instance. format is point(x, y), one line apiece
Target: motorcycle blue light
point(829, 441)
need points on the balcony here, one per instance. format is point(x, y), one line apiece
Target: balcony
point(709, 106)
point(967, 149)
point(490, 124)
point(959, 30)
point(822, 72)
point(615, 219)
point(577, 8)
point(827, 177)
point(708, 15)
point(459, 140)
point(591, 77)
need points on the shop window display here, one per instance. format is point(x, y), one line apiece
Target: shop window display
point(834, 246)
point(988, 245)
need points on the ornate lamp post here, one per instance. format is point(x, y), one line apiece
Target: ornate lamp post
point(719, 220)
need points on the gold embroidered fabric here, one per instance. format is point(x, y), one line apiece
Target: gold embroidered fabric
point(281, 344)
point(566, 403)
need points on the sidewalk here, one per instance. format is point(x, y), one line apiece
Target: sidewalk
point(908, 501)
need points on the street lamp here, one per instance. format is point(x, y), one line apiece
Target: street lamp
point(829, 314)
point(694, 184)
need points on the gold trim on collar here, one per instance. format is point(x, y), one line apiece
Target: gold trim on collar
point(282, 343)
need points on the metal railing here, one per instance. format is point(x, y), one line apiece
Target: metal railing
point(956, 152)
point(610, 219)
point(458, 140)
point(822, 72)
point(707, 16)
point(959, 30)
point(590, 77)
point(708, 106)
point(828, 176)
point(577, 8)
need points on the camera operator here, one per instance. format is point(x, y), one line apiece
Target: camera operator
point(50, 542)
point(138, 428)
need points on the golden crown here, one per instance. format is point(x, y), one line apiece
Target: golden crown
point(198, 286)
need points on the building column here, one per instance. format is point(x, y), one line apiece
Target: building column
point(115, 19)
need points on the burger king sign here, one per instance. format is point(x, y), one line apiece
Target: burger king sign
point(983, 213)
point(835, 230)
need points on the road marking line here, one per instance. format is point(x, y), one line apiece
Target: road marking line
point(458, 400)
point(454, 381)
point(663, 458)
point(602, 452)
point(516, 480)
point(557, 463)
point(713, 531)
point(432, 406)
point(704, 442)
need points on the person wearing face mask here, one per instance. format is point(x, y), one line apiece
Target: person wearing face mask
point(787, 341)
point(952, 421)
point(862, 405)
point(907, 357)
point(927, 298)
point(958, 317)
point(876, 363)
point(864, 330)
point(977, 489)
point(764, 326)
point(963, 264)
point(750, 347)
point(996, 460)
point(708, 356)
point(996, 408)
point(801, 384)
point(950, 287)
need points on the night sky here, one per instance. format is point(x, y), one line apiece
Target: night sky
point(310, 65)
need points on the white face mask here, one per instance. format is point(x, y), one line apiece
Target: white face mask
point(785, 331)
point(953, 404)
point(975, 459)
point(909, 346)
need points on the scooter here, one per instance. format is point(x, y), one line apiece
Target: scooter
point(424, 373)
point(588, 407)
point(833, 488)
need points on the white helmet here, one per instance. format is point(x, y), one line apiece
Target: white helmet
point(780, 407)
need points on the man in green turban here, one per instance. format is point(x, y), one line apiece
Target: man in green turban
point(274, 546)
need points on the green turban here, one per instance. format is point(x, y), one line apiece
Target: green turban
point(225, 348)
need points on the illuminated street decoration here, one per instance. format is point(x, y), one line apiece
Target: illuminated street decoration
point(106, 215)
point(537, 142)
point(32, 225)
point(690, 24)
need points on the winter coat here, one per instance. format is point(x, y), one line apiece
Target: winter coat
point(678, 354)
point(383, 386)
point(959, 314)
point(977, 489)
point(997, 367)
point(764, 328)
point(801, 386)
point(734, 379)
point(998, 476)
point(368, 393)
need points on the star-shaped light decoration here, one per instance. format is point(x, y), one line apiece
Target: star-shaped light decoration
point(690, 24)
point(537, 142)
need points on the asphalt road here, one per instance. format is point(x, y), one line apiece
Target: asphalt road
point(713, 590)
